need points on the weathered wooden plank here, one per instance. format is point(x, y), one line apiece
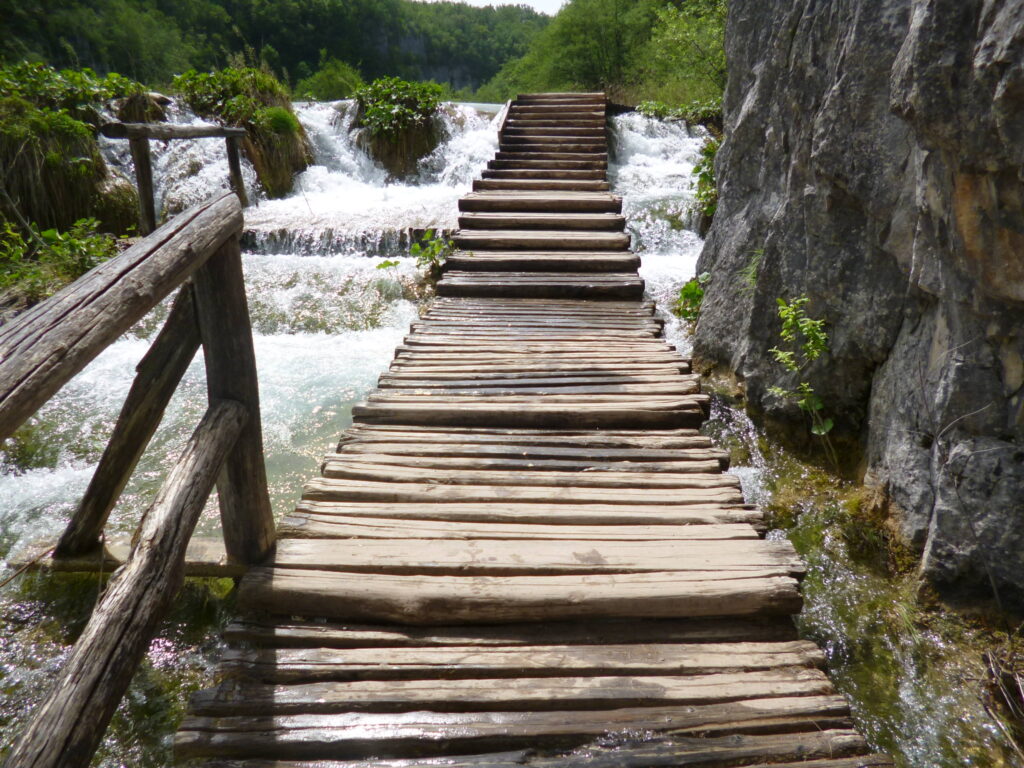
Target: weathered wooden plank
point(356, 734)
point(330, 489)
point(45, 346)
point(469, 662)
point(344, 468)
point(165, 131)
point(67, 727)
point(304, 524)
point(157, 377)
point(693, 464)
point(248, 698)
point(693, 559)
point(144, 180)
point(486, 599)
point(544, 221)
point(700, 511)
point(532, 452)
point(283, 633)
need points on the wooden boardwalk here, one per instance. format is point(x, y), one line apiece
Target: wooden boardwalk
point(523, 552)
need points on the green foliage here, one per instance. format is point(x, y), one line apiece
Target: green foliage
point(707, 188)
point(334, 80)
point(805, 341)
point(388, 264)
point(691, 295)
point(79, 93)
point(151, 40)
point(390, 106)
point(278, 120)
point(636, 50)
point(748, 275)
point(432, 251)
point(34, 267)
point(239, 96)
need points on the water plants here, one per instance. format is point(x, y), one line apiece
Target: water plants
point(390, 106)
point(706, 193)
point(432, 251)
point(687, 303)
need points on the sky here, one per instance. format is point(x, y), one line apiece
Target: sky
point(544, 6)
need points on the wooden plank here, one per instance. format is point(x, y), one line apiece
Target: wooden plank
point(529, 451)
point(144, 179)
point(489, 599)
point(493, 557)
point(343, 468)
point(248, 698)
point(45, 346)
point(543, 221)
point(166, 131)
point(303, 524)
point(358, 734)
point(330, 489)
point(618, 512)
point(705, 464)
point(68, 726)
point(452, 662)
point(306, 634)
point(157, 378)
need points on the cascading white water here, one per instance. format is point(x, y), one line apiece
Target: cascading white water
point(325, 321)
point(651, 168)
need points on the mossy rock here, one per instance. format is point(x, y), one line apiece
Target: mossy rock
point(117, 204)
point(143, 108)
point(400, 153)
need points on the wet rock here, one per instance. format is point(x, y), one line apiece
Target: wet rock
point(117, 204)
point(872, 161)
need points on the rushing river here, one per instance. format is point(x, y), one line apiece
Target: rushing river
point(325, 322)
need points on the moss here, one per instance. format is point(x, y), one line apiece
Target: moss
point(117, 205)
point(142, 108)
point(397, 123)
point(276, 143)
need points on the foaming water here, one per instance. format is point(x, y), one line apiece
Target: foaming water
point(651, 168)
point(344, 201)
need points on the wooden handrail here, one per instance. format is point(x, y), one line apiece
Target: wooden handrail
point(45, 346)
point(70, 723)
point(139, 136)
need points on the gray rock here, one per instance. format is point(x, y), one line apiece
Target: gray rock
point(873, 161)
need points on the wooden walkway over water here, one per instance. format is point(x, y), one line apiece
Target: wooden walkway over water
point(523, 552)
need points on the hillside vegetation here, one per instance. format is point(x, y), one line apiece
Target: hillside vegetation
point(153, 40)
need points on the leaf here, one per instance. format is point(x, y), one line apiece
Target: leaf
point(822, 428)
point(388, 264)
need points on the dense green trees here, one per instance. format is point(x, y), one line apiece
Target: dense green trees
point(667, 50)
point(152, 40)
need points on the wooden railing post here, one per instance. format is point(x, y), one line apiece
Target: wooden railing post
point(158, 375)
point(68, 726)
point(235, 169)
point(246, 515)
point(144, 178)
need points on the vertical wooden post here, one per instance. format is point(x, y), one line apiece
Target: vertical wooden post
point(157, 378)
point(235, 168)
point(144, 177)
point(223, 314)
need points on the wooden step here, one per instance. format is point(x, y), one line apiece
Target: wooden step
point(519, 129)
point(601, 157)
point(564, 122)
point(482, 284)
point(544, 173)
point(421, 599)
point(481, 185)
point(543, 261)
point(531, 240)
point(541, 201)
point(566, 141)
point(565, 165)
point(543, 221)
point(556, 144)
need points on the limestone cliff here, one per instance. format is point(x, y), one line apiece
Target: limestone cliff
point(874, 161)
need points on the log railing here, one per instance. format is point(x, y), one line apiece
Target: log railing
point(139, 136)
point(42, 349)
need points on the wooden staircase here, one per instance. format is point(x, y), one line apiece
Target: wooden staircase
point(523, 552)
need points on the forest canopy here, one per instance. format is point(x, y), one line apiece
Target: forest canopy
point(153, 40)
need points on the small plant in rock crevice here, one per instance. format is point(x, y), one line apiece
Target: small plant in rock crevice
point(706, 193)
point(805, 340)
point(691, 295)
point(431, 252)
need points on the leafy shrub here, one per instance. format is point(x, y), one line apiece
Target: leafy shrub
point(333, 81)
point(691, 295)
point(36, 266)
point(389, 106)
point(432, 251)
point(707, 113)
point(805, 340)
point(78, 92)
point(704, 170)
point(278, 120)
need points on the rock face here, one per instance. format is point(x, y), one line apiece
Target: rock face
point(874, 161)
